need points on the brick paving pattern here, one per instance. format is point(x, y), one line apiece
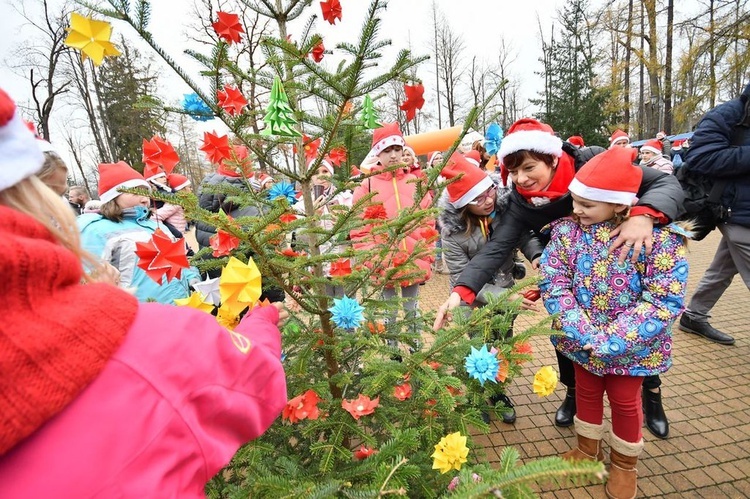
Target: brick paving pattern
point(706, 396)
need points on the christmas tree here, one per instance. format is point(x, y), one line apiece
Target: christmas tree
point(376, 407)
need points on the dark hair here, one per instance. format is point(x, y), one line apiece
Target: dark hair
point(515, 159)
point(111, 211)
point(469, 219)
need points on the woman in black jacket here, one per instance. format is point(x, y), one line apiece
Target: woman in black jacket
point(542, 167)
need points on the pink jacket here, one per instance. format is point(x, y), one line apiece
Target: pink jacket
point(174, 215)
point(395, 191)
point(168, 411)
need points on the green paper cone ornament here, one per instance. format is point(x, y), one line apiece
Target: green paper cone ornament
point(279, 116)
point(369, 116)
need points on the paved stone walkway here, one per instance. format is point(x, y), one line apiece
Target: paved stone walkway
point(706, 397)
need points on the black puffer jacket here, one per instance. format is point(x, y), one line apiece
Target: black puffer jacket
point(213, 201)
point(658, 190)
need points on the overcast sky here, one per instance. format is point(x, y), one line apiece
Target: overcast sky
point(408, 23)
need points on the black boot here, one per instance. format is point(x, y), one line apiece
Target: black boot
point(509, 416)
point(564, 415)
point(653, 413)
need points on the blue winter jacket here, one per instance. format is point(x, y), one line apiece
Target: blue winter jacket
point(114, 243)
point(711, 154)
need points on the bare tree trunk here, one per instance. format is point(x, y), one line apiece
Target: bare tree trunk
point(81, 80)
point(435, 28)
point(668, 69)
point(641, 75)
point(75, 150)
point(628, 59)
point(652, 66)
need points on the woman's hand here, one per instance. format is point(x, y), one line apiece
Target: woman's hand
point(443, 313)
point(526, 303)
point(635, 233)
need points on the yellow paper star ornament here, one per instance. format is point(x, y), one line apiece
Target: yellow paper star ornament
point(91, 37)
point(239, 285)
point(195, 300)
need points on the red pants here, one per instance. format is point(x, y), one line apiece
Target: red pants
point(624, 394)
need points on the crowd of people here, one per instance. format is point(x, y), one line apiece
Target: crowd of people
point(595, 223)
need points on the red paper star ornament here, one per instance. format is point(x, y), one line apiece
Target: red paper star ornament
point(217, 148)
point(159, 152)
point(337, 155)
point(375, 212)
point(331, 10)
point(341, 267)
point(318, 52)
point(228, 27)
point(414, 100)
point(311, 147)
point(161, 256)
point(231, 100)
point(223, 243)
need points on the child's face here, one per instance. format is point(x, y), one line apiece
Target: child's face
point(484, 204)
point(593, 212)
point(407, 157)
point(647, 155)
point(391, 156)
point(533, 174)
point(322, 177)
point(128, 200)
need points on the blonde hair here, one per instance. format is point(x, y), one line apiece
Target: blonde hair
point(32, 197)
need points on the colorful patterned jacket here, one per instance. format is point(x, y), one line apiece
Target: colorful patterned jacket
point(625, 312)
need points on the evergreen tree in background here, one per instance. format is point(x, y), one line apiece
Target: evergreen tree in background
point(126, 89)
point(366, 417)
point(572, 103)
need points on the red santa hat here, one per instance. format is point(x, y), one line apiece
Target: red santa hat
point(576, 140)
point(618, 136)
point(177, 181)
point(431, 158)
point(609, 177)
point(20, 154)
point(259, 180)
point(115, 176)
point(653, 145)
point(528, 134)
point(473, 157)
point(470, 181)
point(152, 172)
point(386, 136)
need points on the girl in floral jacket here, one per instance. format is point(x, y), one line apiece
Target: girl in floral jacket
point(615, 319)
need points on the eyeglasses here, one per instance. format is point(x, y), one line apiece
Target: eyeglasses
point(489, 193)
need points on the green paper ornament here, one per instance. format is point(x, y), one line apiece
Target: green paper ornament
point(279, 116)
point(369, 116)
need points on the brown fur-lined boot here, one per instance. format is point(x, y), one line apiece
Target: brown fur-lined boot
point(589, 442)
point(623, 477)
